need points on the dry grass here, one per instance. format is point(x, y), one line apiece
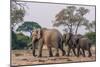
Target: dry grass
point(24, 57)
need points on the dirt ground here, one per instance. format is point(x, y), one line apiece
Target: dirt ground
point(24, 57)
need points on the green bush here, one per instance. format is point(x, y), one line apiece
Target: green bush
point(19, 41)
point(91, 36)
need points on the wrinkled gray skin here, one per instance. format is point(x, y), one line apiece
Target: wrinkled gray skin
point(69, 40)
point(49, 37)
point(78, 42)
point(72, 41)
point(84, 44)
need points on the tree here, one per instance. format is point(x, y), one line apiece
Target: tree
point(91, 27)
point(17, 12)
point(81, 11)
point(28, 26)
point(71, 18)
point(14, 40)
point(91, 36)
point(94, 26)
point(19, 41)
point(66, 17)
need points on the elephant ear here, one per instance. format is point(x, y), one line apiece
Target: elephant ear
point(39, 33)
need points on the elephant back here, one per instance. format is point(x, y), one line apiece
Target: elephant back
point(52, 36)
point(85, 42)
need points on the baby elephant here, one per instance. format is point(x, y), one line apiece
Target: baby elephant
point(84, 44)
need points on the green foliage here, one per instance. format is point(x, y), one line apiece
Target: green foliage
point(71, 18)
point(91, 36)
point(13, 41)
point(28, 26)
point(91, 27)
point(19, 41)
point(17, 12)
point(17, 16)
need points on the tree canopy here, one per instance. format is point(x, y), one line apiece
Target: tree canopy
point(91, 27)
point(19, 40)
point(71, 18)
point(17, 12)
point(28, 26)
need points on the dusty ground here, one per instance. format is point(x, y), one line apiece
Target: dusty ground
point(24, 57)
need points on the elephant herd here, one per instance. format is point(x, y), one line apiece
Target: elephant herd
point(52, 38)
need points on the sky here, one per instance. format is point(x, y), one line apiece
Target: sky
point(44, 14)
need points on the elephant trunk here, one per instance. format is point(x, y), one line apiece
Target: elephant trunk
point(33, 47)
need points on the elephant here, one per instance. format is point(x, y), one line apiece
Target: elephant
point(49, 37)
point(71, 40)
point(84, 44)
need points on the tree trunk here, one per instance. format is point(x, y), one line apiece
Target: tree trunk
point(77, 28)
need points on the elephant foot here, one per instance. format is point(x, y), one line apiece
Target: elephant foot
point(34, 55)
point(51, 55)
point(64, 53)
point(77, 55)
point(89, 55)
point(67, 54)
point(40, 55)
point(57, 55)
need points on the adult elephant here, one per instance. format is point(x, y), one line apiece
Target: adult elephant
point(72, 41)
point(49, 37)
point(84, 44)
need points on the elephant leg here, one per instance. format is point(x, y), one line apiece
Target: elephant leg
point(89, 51)
point(83, 52)
point(61, 48)
point(68, 51)
point(40, 52)
point(74, 51)
point(57, 52)
point(78, 52)
point(33, 50)
point(63, 51)
point(50, 52)
point(40, 47)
